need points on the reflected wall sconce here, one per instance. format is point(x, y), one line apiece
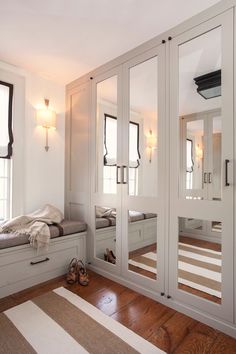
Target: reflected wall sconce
point(198, 154)
point(151, 141)
point(46, 118)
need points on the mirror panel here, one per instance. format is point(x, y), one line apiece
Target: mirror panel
point(200, 62)
point(142, 243)
point(106, 136)
point(105, 234)
point(143, 132)
point(216, 158)
point(200, 258)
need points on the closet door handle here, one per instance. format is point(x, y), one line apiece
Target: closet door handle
point(209, 177)
point(226, 173)
point(124, 174)
point(118, 179)
point(205, 177)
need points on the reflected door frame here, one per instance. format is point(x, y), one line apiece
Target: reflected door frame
point(208, 210)
point(152, 204)
point(98, 197)
point(206, 192)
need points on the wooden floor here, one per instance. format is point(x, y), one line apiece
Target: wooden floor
point(171, 331)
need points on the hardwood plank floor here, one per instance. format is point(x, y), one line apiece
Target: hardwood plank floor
point(166, 328)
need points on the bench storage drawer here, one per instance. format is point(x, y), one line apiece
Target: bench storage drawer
point(22, 267)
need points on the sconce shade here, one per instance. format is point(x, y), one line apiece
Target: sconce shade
point(46, 118)
point(151, 143)
point(198, 152)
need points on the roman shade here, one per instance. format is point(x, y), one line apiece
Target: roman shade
point(134, 155)
point(110, 142)
point(189, 157)
point(6, 134)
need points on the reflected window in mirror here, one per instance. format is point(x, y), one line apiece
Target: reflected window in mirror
point(110, 155)
point(190, 163)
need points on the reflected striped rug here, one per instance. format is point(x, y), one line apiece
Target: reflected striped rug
point(199, 268)
point(61, 322)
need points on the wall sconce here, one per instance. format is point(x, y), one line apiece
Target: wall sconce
point(151, 141)
point(46, 118)
point(198, 154)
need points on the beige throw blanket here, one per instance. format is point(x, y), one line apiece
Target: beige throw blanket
point(35, 225)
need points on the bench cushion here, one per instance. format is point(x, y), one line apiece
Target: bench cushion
point(66, 227)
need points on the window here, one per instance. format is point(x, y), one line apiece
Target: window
point(189, 163)
point(110, 155)
point(6, 141)
point(5, 194)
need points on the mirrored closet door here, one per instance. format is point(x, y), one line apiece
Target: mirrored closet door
point(142, 195)
point(201, 167)
point(106, 171)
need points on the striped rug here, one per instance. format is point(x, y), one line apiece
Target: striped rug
point(61, 322)
point(199, 268)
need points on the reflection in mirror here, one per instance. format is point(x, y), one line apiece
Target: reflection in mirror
point(200, 258)
point(194, 154)
point(105, 234)
point(106, 135)
point(216, 157)
point(143, 129)
point(200, 60)
point(142, 243)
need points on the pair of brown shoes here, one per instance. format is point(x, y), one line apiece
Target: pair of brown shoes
point(77, 273)
point(109, 256)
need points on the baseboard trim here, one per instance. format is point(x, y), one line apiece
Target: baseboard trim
point(227, 328)
point(29, 282)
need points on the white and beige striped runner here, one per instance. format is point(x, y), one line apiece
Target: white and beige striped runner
point(199, 268)
point(61, 322)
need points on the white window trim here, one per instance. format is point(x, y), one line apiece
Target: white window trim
point(17, 161)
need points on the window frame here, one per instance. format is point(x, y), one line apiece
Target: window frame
point(10, 119)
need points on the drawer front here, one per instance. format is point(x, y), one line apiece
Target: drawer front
point(30, 267)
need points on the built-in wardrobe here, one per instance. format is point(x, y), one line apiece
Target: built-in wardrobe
point(150, 167)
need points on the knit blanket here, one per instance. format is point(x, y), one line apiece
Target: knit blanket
point(35, 225)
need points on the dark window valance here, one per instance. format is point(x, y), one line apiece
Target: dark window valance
point(110, 142)
point(6, 134)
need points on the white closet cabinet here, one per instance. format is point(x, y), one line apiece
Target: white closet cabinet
point(150, 167)
point(188, 271)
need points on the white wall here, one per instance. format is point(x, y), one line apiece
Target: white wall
point(43, 172)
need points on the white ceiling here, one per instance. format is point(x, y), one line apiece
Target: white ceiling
point(63, 39)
